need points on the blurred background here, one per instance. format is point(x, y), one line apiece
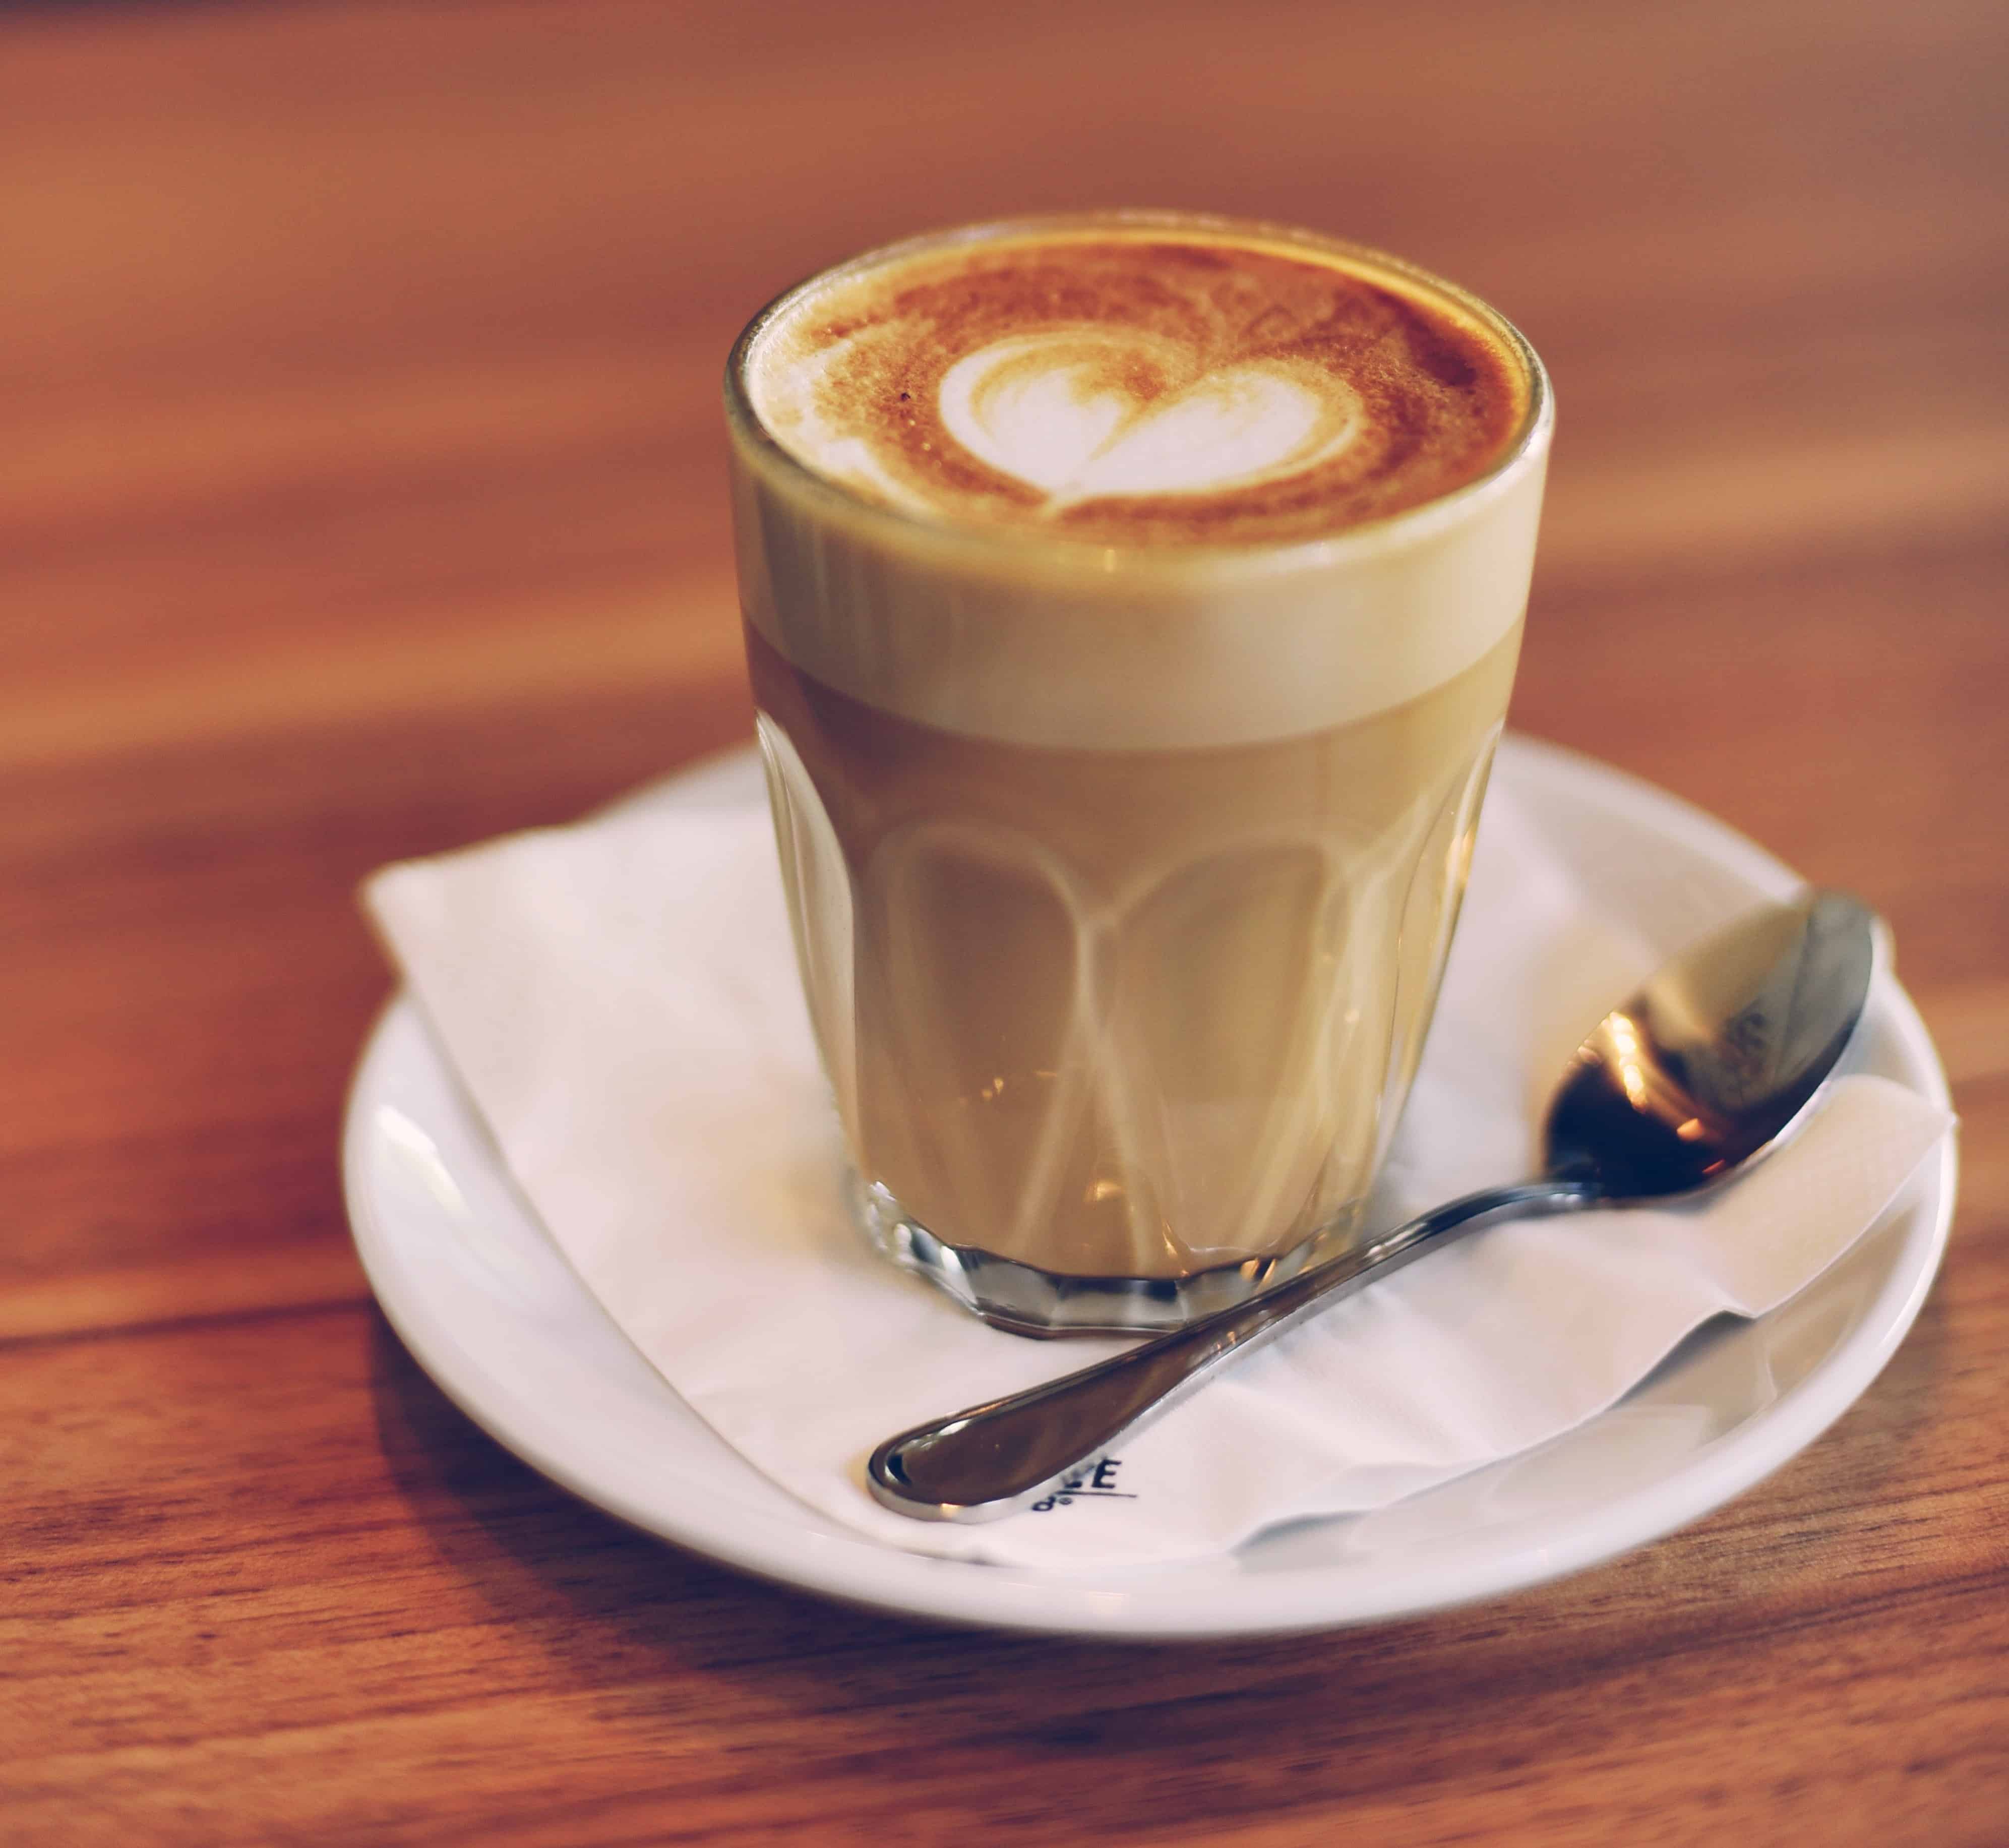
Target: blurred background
point(359, 361)
point(362, 488)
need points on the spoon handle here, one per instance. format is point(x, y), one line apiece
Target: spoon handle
point(993, 1459)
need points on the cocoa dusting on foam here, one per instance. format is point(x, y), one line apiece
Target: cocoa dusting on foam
point(1142, 388)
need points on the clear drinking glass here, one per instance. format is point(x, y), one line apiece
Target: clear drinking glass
point(1122, 878)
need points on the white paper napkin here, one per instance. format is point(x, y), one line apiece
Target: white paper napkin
point(619, 999)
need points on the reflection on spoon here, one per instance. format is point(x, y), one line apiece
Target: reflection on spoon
point(1711, 1065)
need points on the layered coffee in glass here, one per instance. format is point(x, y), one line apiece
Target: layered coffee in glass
point(1132, 604)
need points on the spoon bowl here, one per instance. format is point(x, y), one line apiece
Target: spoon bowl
point(1716, 1057)
point(1714, 1062)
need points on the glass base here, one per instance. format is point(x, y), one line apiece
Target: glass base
point(1025, 1300)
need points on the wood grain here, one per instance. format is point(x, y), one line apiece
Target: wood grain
point(362, 494)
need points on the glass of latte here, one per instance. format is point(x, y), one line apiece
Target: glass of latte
point(1131, 603)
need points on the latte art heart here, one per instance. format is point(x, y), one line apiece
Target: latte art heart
point(1133, 388)
point(1091, 413)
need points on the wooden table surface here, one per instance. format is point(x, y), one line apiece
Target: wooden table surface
point(361, 494)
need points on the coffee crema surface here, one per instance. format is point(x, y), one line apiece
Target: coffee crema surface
point(1137, 386)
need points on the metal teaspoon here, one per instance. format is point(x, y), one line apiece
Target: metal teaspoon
point(1712, 1064)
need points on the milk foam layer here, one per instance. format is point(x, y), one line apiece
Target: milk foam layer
point(1074, 511)
point(1141, 388)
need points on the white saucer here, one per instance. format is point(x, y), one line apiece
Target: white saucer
point(491, 1310)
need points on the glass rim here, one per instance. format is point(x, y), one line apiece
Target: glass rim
point(1016, 546)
